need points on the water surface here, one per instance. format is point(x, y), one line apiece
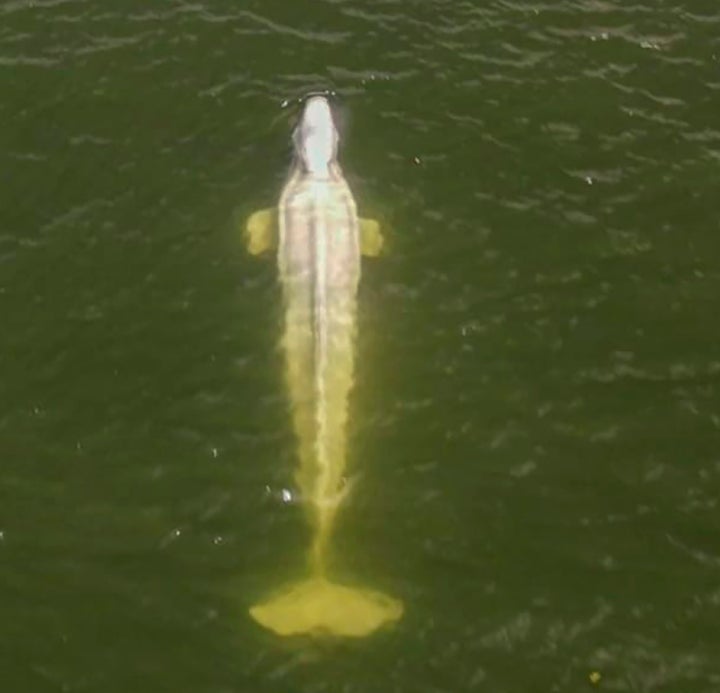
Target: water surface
point(535, 419)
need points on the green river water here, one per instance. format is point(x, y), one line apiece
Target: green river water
point(536, 417)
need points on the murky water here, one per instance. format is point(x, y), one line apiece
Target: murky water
point(536, 419)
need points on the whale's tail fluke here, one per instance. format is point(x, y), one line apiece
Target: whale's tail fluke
point(319, 606)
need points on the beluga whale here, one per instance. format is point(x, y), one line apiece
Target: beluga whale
point(319, 239)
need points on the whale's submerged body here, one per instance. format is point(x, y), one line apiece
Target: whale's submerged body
point(319, 240)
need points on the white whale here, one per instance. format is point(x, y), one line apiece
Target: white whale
point(319, 240)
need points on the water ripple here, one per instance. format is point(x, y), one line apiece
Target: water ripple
point(537, 377)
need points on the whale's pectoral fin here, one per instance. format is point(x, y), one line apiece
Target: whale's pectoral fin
point(371, 240)
point(261, 231)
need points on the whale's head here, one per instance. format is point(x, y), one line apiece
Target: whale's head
point(316, 137)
